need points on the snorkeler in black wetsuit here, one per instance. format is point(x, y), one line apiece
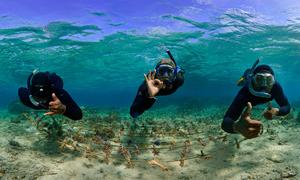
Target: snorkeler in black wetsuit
point(45, 91)
point(164, 80)
point(260, 87)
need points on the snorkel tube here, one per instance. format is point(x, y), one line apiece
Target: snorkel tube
point(254, 66)
point(250, 74)
point(171, 56)
point(247, 75)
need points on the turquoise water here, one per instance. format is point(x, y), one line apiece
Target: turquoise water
point(102, 68)
point(101, 49)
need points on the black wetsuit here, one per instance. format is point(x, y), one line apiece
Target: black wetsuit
point(142, 103)
point(244, 96)
point(72, 109)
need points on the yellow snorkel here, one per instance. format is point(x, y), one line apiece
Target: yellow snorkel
point(240, 81)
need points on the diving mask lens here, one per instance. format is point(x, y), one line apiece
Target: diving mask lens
point(165, 71)
point(264, 80)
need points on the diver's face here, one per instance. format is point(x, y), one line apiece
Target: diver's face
point(263, 82)
point(165, 72)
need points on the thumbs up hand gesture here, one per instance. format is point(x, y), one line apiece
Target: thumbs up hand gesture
point(270, 112)
point(246, 126)
point(56, 106)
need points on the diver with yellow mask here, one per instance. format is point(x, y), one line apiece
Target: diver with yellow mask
point(259, 87)
point(166, 78)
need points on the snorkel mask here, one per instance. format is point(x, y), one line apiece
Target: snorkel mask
point(167, 71)
point(40, 88)
point(259, 79)
point(262, 81)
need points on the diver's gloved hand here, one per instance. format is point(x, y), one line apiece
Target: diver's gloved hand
point(55, 106)
point(248, 127)
point(270, 112)
point(153, 85)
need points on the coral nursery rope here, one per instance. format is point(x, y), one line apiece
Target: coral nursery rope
point(169, 161)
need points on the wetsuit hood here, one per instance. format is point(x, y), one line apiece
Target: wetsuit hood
point(39, 85)
point(262, 69)
point(166, 62)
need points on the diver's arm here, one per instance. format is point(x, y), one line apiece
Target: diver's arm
point(234, 111)
point(142, 101)
point(281, 100)
point(73, 111)
point(24, 98)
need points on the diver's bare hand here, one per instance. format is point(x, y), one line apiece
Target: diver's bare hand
point(270, 112)
point(56, 106)
point(248, 127)
point(153, 85)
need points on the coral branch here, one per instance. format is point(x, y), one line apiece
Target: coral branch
point(155, 162)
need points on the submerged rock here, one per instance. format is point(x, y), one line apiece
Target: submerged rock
point(276, 157)
point(289, 171)
point(157, 142)
point(14, 143)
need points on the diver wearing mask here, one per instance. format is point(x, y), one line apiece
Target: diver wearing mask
point(259, 87)
point(166, 78)
point(45, 91)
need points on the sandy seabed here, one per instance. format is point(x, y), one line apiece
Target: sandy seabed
point(181, 145)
